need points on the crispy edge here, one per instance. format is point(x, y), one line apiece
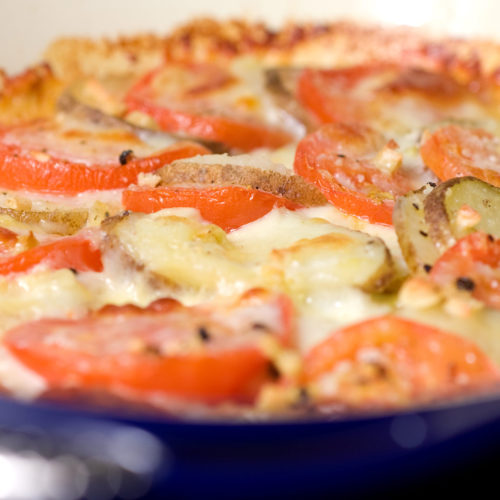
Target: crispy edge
point(296, 44)
point(292, 187)
point(28, 96)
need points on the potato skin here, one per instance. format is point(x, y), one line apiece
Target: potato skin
point(293, 187)
point(413, 231)
point(442, 207)
point(62, 222)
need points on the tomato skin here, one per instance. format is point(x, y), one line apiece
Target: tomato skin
point(373, 93)
point(71, 252)
point(229, 206)
point(475, 259)
point(325, 93)
point(236, 133)
point(390, 361)
point(334, 157)
point(21, 171)
point(122, 350)
point(447, 153)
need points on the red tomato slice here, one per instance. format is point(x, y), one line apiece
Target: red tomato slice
point(330, 94)
point(204, 354)
point(472, 264)
point(197, 100)
point(390, 361)
point(382, 94)
point(229, 207)
point(37, 171)
point(73, 252)
point(455, 151)
point(339, 159)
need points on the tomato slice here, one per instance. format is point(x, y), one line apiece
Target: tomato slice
point(388, 97)
point(456, 151)
point(73, 252)
point(390, 361)
point(472, 264)
point(203, 353)
point(330, 94)
point(229, 206)
point(205, 101)
point(340, 159)
point(37, 171)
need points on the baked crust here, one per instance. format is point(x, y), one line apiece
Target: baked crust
point(30, 95)
point(338, 43)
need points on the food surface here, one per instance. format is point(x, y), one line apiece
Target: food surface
point(236, 222)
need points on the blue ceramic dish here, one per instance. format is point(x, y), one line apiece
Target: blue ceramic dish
point(347, 457)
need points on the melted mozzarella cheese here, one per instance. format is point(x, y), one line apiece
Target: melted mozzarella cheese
point(39, 294)
point(283, 250)
point(385, 233)
point(326, 310)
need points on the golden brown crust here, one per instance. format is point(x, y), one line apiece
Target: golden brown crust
point(71, 58)
point(333, 44)
point(293, 187)
point(32, 94)
point(105, 69)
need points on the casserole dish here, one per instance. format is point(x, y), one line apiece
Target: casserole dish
point(396, 441)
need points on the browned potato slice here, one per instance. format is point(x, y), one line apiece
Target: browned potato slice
point(282, 250)
point(331, 261)
point(251, 175)
point(461, 206)
point(180, 252)
point(63, 222)
point(419, 251)
point(71, 108)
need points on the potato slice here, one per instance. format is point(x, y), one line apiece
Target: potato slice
point(183, 251)
point(62, 222)
point(282, 250)
point(419, 251)
point(251, 171)
point(337, 259)
point(449, 206)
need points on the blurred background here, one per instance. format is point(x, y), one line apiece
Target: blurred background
point(29, 25)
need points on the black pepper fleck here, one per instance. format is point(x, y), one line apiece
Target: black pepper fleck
point(273, 371)
point(427, 268)
point(73, 270)
point(125, 213)
point(432, 184)
point(464, 283)
point(125, 156)
point(491, 238)
point(259, 326)
point(415, 206)
point(340, 156)
point(424, 234)
point(203, 334)
point(152, 349)
point(106, 214)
